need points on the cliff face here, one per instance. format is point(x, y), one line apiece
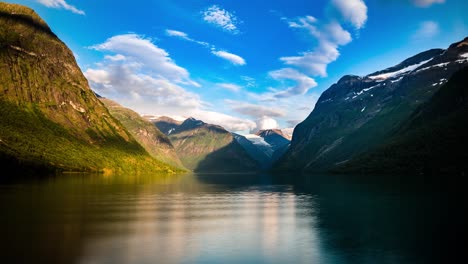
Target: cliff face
point(51, 118)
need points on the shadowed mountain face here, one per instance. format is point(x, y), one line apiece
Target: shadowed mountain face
point(207, 148)
point(433, 139)
point(357, 114)
point(266, 146)
point(154, 141)
point(50, 117)
point(165, 124)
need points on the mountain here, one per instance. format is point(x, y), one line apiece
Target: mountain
point(165, 124)
point(208, 148)
point(434, 139)
point(278, 141)
point(51, 120)
point(357, 113)
point(256, 148)
point(266, 146)
point(154, 141)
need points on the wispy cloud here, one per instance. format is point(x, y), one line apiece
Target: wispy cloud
point(352, 11)
point(221, 18)
point(61, 4)
point(427, 3)
point(254, 110)
point(230, 86)
point(233, 58)
point(330, 36)
point(184, 36)
point(303, 82)
point(426, 30)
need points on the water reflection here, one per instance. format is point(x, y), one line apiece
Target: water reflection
point(228, 219)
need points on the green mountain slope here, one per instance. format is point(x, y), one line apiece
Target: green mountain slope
point(146, 133)
point(433, 140)
point(50, 117)
point(209, 148)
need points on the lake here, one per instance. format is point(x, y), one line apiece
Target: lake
point(80, 218)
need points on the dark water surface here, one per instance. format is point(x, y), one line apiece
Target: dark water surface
point(232, 219)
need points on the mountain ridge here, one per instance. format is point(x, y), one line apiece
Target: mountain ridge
point(359, 112)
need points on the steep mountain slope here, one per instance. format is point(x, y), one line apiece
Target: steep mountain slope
point(50, 117)
point(358, 113)
point(209, 148)
point(433, 140)
point(154, 141)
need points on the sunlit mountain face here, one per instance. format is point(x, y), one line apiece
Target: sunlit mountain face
point(244, 66)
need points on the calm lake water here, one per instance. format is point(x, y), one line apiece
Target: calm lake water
point(231, 219)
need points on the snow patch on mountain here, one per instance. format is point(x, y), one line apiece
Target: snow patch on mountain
point(407, 69)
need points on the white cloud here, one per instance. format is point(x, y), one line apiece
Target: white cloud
point(142, 76)
point(143, 51)
point(230, 86)
point(117, 57)
point(145, 93)
point(426, 30)
point(61, 4)
point(265, 122)
point(329, 36)
point(353, 11)
point(427, 3)
point(254, 110)
point(303, 82)
point(221, 18)
point(175, 33)
point(233, 58)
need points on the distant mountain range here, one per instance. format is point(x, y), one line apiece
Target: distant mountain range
point(206, 148)
point(358, 115)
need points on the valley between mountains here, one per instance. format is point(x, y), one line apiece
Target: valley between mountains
point(412, 117)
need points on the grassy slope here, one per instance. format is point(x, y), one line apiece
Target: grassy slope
point(433, 140)
point(154, 141)
point(50, 117)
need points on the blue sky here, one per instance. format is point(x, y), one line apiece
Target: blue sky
point(245, 65)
